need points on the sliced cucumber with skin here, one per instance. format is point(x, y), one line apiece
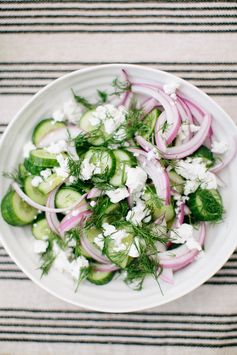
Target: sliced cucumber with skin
point(43, 159)
point(167, 211)
point(33, 192)
point(41, 230)
point(99, 277)
point(44, 127)
point(123, 160)
point(120, 258)
point(23, 172)
point(177, 182)
point(206, 205)
point(50, 183)
point(91, 234)
point(15, 211)
point(66, 197)
point(103, 159)
point(31, 168)
point(100, 137)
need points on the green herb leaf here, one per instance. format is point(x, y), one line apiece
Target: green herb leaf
point(103, 96)
point(83, 101)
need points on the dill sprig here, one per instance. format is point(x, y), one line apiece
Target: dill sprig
point(48, 258)
point(103, 97)
point(83, 101)
point(74, 166)
point(15, 176)
point(120, 86)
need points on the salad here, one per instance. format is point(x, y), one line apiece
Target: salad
point(122, 186)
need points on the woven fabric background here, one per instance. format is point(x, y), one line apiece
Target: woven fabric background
point(42, 40)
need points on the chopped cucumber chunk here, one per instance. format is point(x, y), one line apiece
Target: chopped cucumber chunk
point(206, 205)
point(99, 277)
point(33, 192)
point(15, 211)
point(177, 182)
point(42, 158)
point(98, 136)
point(41, 230)
point(43, 128)
point(103, 160)
point(119, 256)
point(66, 197)
point(50, 183)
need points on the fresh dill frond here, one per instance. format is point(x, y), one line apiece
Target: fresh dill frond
point(83, 101)
point(140, 268)
point(81, 186)
point(84, 272)
point(74, 166)
point(120, 86)
point(48, 258)
point(103, 96)
point(151, 198)
point(15, 176)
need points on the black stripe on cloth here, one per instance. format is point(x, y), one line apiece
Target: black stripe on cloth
point(116, 31)
point(108, 62)
point(108, 15)
point(113, 24)
point(112, 342)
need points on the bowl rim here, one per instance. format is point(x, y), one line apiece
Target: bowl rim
point(131, 308)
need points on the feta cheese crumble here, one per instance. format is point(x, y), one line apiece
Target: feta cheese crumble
point(196, 173)
point(63, 169)
point(110, 116)
point(117, 195)
point(36, 181)
point(184, 234)
point(70, 111)
point(170, 89)
point(87, 169)
point(139, 213)
point(136, 179)
point(58, 147)
point(219, 147)
point(28, 147)
point(40, 246)
point(46, 173)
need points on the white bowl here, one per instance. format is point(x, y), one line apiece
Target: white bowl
point(116, 296)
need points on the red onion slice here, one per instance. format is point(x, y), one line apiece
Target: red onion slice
point(75, 217)
point(105, 267)
point(94, 192)
point(92, 251)
point(183, 256)
point(52, 218)
point(183, 150)
point(172, 114)
point(36, 205)
point(167, 275)
point(60, 134)
point(158, 175)
point(227, 159)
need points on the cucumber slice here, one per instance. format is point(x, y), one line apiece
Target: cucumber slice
point(91, 234)
point(149, 124)
point(206, 205)
point(206, 154)
point(43, 128)
point(43, 159)
point(99, 277)
point(167, 211)
point(50, 183)
point(177, 182)
point(33, 192)
point(98, 137)
point(66, 197)
point(31, 168)
point(120, 258)
point(123, 159)
point(23, 173)
point(104, 161)
point(15, 211)
point(41, 230)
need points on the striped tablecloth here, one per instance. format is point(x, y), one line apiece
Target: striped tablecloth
point(41, 40)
